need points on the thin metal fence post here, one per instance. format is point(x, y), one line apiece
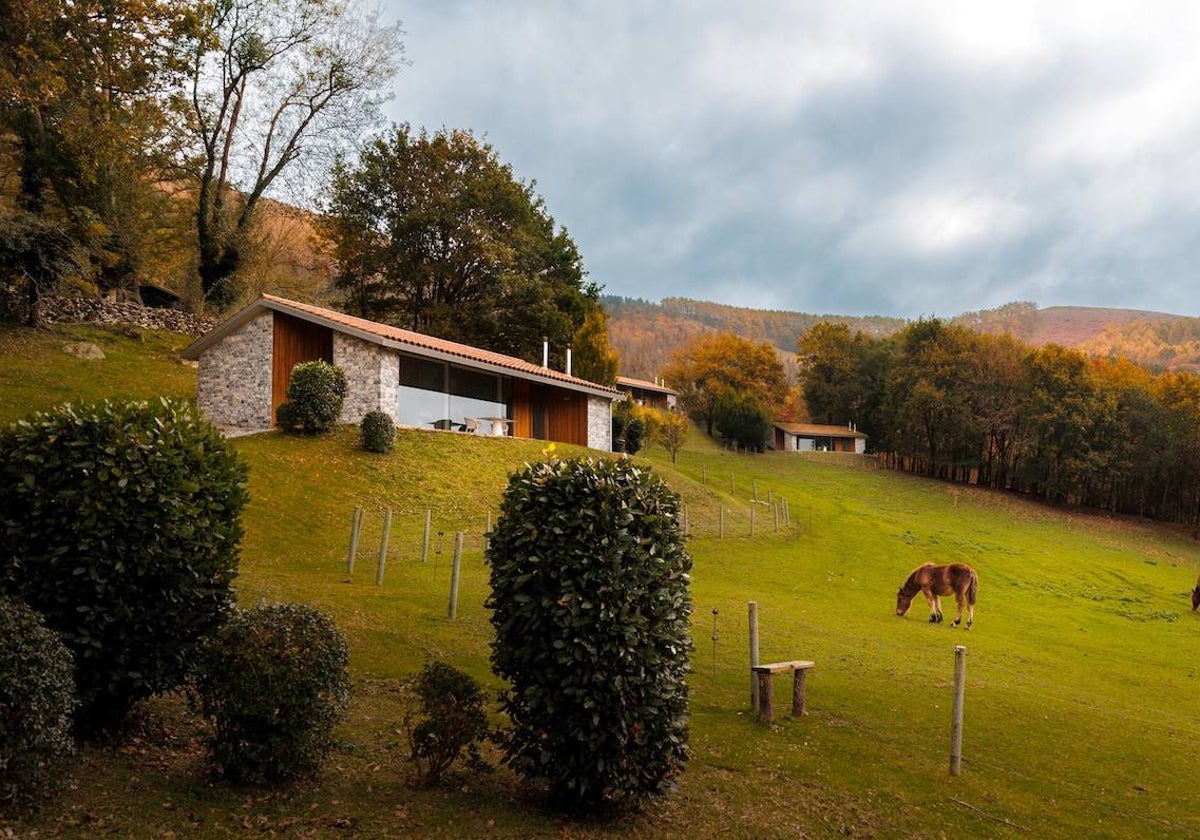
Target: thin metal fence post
point(458, 544)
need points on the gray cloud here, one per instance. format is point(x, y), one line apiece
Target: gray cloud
point(901, 158)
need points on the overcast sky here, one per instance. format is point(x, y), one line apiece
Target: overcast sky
point(892, 158)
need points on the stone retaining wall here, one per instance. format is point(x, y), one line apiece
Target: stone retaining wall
point(87, 310)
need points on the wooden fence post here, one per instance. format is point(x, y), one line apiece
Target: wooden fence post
point(355, 530)
point(753, 613)
point(383, 547)
point(956, 724)
point(752, 520)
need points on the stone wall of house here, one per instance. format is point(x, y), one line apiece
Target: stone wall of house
point(373, 374)
point(600, 423)
point(234, 383)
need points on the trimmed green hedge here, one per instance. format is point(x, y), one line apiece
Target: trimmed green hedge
point(591, 610)
point(121, 526)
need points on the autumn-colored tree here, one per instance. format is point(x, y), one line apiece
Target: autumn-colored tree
point(673, 431)
point(711, 365)
point(434, 233)
point(84, 112)
point(274, 83)
point(593, 357)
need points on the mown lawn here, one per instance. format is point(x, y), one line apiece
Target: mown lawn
point(1082, 665)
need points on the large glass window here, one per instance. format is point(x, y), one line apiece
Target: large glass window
point(441, 396)
point(476, 401)
point(423, 398)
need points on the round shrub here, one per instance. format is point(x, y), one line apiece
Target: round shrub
point(37, 696)
point(377, 431)
point(315, 395)
point(591, 610)
point(121, 526)
point(451, 721)
point(274, 683)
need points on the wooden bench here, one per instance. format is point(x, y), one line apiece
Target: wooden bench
point(766, 687)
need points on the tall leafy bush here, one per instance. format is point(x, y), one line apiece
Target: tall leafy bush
point(121, 524)
point(591, 609)
point(274, 681)
point(37, 697)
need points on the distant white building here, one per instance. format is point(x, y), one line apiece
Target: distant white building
point(809, 437)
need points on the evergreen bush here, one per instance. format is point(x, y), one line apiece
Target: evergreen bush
point(635, 432)
point(315, 394)
point(591, 610)
point(121, 526)
point(377, 432)
point(274, 682)
point(37, 697)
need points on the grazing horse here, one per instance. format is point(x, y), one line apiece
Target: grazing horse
point(1196, 595)
point(957, 578)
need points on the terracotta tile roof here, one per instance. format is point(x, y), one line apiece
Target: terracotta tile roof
point(815, 430)
point(630, 382)
point(391, 336)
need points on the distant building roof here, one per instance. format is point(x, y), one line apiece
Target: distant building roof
point(815, 430)
point(628, 382)
point(393, 337)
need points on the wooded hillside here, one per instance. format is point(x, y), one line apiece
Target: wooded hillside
point(645, 334)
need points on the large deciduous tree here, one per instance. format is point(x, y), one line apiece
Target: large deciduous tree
point(434, 233)
point(713, 364)
point(842, 376)
point(275, 81)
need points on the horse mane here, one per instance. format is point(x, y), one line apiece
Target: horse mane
point(911, 586)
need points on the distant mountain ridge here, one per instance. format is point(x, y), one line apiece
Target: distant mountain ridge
point(645, 334)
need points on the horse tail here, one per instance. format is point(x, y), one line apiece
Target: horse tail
point(973, 588)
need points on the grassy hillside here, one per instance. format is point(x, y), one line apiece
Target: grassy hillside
point(1082, 666)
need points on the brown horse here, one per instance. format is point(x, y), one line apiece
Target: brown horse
point(1196, 595)
point(958, 579)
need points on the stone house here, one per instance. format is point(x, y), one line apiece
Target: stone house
point(809, 437)
point(648, 394)
point(245, 364)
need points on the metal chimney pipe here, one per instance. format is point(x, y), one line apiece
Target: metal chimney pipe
point(568, 361)
point(545, 352)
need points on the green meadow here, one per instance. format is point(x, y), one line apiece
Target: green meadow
point(1082, 666)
